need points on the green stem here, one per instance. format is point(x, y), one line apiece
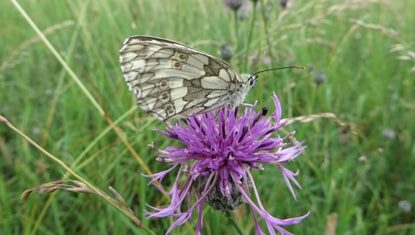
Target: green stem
point(235, 17)
point(250, 33)
point(231, 216)
point(267, 36)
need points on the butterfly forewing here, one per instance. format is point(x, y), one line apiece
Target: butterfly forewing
point(170, 79)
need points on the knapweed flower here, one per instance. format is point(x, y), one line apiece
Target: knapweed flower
point(215, 162)
point(245, 10)
point(226, 52)
point(320, 78)
point(233, 4)
point(284, 3)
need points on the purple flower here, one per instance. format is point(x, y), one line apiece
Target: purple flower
point(244, 11)
point(219, 151)
point(226, 52)
point(233, 4)
point(284, 3)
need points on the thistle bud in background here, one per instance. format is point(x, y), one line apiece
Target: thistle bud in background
point(284, 3)
point(254, 58)
point(405, 206)
point(243, 13)
point(257, 59)
point(320, 78)
point(226, 52)
point(266, 59)
point(389, 133)
point(234, 5)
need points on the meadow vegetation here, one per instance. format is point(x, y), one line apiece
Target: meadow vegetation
point(357, 173)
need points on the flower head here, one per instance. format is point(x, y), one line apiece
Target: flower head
point(219, 151)
point(284, 3)
point(320, 78)
point(233, 4)
point(226, 52)
point(245, 10)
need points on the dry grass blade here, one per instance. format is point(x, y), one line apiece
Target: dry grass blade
point(331, 224)
point(377, 27)
point(405, 54)
point(67, 185)
point(120, 199)
point(117, 195)
point(79, 187)
point(400, 229)
point(352, 4)
point(350, 127)
point(309, 118)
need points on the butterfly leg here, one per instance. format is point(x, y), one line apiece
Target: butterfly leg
point(247, 105)
point(183, 121)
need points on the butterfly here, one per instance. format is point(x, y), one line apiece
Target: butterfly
point(172, 80)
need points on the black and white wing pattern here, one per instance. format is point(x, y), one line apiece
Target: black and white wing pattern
point(171, 80)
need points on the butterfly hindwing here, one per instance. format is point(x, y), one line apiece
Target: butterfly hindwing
point(170, 79)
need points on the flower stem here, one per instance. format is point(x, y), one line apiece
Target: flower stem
point(267, 35)
point(248, 44)
point(232, 218)
point(235, 18)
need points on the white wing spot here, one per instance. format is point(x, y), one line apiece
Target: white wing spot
point(146, 77)
point(145, 92)
point(132, 47)
point(163, 53)
point(211, 102)
point(202, 58)
point(125, 57)
point(178, 93)
point(195, 62)
point(179, 104)
point(217, 93)
point(171, 83)
point(224, 75)
point(168, 73)
point(137, 91)
point(150, 103)
point(214, 83)
point(132, 41)
point(138, 65)
point(132, 75)
point(197, 71)
point(161, 113)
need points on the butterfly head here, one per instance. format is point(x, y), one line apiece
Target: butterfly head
point(249, 81)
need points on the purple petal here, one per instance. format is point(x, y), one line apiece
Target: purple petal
point(278, 111)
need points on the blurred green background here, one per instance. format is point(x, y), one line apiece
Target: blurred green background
point(357, 178)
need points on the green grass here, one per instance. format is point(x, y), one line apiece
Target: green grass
point(355, 175)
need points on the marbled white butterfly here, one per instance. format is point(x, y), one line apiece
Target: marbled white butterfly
point(172, 80)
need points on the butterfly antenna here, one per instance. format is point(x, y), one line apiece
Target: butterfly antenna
point(272, 69)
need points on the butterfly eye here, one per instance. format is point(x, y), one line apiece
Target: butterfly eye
point(251, 82)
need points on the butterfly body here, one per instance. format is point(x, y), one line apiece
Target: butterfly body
point(170, 79)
